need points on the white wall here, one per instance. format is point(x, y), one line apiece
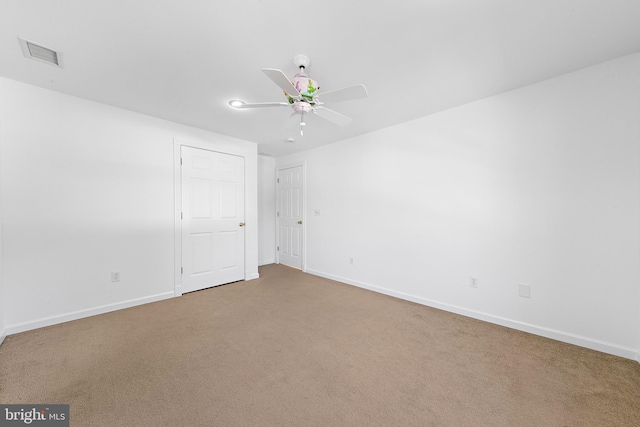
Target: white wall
point(266, 210)
point(88, 189)
point(3, 302)
point(540, 186)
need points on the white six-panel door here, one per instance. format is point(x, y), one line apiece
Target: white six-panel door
point(290, 187)
point(212, 218)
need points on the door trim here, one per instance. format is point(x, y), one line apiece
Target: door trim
point(303, 244)
point(251, 220)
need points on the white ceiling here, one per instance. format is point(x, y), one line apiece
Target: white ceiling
point(184, 60)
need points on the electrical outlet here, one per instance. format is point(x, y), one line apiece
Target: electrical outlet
point(473, 282)
point(524, 290)
point(115, 276)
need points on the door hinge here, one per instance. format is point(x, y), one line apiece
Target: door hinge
point(181, 215)
point(278, 248)
point(278, 180)
point(278, 214)
point(181, 270)
point(180, 161)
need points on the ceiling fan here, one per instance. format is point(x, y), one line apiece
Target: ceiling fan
point(304, 96)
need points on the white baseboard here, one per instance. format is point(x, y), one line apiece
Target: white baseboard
point(266, 262)
point(3, 335)
point(252, 276)
point(581, 341)
point(74, 315)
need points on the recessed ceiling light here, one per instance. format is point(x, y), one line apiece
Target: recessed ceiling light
point(236, 103)
point(40, 53)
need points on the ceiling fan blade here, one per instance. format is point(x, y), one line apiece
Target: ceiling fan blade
point(344, 94)
point(279, 78)
point(261, 105)
point(333, 116)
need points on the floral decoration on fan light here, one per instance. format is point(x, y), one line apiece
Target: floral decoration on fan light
point(306, 87)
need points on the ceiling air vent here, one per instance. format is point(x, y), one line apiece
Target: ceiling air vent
point(40, 53)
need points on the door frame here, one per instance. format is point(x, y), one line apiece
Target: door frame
point(303, 243)
point(250, 208)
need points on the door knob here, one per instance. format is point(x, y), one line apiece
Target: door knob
point(242, 224)
point(299, 222)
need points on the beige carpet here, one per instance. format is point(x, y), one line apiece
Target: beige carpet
point(290, 349)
